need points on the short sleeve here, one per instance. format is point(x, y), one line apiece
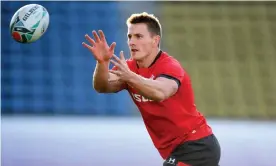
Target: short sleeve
point(171, 69)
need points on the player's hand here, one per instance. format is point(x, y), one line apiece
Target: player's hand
point(99, 47)
point(123, 71)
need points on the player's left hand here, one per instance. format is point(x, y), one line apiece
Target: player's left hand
point(123, 71)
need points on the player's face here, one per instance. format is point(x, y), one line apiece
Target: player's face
point(140, 41)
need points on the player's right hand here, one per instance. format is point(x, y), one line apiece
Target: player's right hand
point(99, 47)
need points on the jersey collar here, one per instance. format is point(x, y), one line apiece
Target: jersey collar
point(157, 57)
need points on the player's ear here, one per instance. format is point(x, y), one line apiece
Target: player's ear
point(156, 39)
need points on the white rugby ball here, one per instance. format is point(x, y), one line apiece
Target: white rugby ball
point(29, 23)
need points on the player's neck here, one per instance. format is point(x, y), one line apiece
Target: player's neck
point(148, 60)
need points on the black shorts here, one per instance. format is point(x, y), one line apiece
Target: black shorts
point(202, 152)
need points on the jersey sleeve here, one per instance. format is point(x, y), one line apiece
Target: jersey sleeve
point(171, 70)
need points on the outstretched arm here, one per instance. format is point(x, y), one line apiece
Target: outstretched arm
point(103, 81)
point(157, 90)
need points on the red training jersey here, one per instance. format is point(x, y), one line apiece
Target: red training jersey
point(176, 119)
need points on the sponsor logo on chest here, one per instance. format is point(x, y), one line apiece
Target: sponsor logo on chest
point(139, 98)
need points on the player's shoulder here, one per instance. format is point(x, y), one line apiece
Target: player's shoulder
point(167, 59)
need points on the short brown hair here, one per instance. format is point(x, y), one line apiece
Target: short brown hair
point(150, 20)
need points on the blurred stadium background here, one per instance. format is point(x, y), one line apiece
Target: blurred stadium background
point(52, 116)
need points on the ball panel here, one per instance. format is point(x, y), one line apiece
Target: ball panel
point(17, 36)
point(19, 24)
point(24, 38)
